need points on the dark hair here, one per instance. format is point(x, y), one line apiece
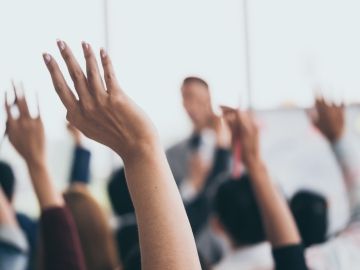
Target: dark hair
point(127, 239)
point(311, 215)
point(238, 212)
point(7, 180)
point(133, 260)
point(119, 194)
point(96, 237)
point(194, 79)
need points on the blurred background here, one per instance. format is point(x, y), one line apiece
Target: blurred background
point(292, 47)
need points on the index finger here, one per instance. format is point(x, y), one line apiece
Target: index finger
point(21, 102)
point(62, 89)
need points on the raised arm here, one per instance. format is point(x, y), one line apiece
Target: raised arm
point(279, 224)
point(61, 242)
point(106, 114)
point(330, 121)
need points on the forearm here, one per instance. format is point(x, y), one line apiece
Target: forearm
point(163, 225)
point(279, 224)
point(7, 215)
point(45, 190)
point(347, 154)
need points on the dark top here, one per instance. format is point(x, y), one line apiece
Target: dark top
point(289, 258)
point(80, 168)
point(30, 229)
point(62, 249)
point(199, 209)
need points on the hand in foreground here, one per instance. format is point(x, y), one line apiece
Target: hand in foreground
point(245, 131)
point(103, 113)
point(25, 133)
point(329, 119)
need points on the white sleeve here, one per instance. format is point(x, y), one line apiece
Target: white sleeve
point(347, 153)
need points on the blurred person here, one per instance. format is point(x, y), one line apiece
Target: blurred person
point(106, 114)
point(62, 249)
point(209, 139)
point(310, 210)
point(96, 238)
point(197, 103)
point(13, 244)
point(341, 251)
point(27, 225)
point(251, 209)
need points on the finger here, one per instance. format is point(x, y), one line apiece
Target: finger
point(95, 82)
point(7, 108)
point(109, 73)
point(38, 105)
point(62, 89)
point(76, 73)
point(20, 101)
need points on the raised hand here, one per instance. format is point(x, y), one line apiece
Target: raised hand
point(103, 112)
point(245, 131)
point(25, 133)
point(329, 118)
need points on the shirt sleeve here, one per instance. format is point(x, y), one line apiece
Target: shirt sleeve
point(81, 164)
point(289, 257)
point(347, 153)
point(62, 247)
point(14, 249)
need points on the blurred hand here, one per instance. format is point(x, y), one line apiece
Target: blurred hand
point(244, 131)
point(198, 171)
point(103, 113)
point(329, 119)
point(223, 133)
point(26, 134)
point(75, 133)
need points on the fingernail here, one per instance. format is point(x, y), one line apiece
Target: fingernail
point(61, 44)
point(47, 58)
point(85, 45)
point(103, 53)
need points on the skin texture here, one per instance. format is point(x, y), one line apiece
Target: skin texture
point(279, 224)
point(197, 103)
point(27, 136)
point(7, 215)
point(107, 115)
point(329, 118)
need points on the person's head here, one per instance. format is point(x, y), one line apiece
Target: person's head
point(94, 231)
point(197, 101)
point(7, 180)
point(119, 195)
point(311, 214)
point(238, 214)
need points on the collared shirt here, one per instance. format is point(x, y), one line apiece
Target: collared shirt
point(343, 251)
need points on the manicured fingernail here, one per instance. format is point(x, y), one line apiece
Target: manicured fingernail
point(103, 53)
point(61, 44)
point(85, 45)
point(47, 58)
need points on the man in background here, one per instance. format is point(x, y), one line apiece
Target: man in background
point(208, 147)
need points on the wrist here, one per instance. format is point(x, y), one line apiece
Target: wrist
point(36, 163)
